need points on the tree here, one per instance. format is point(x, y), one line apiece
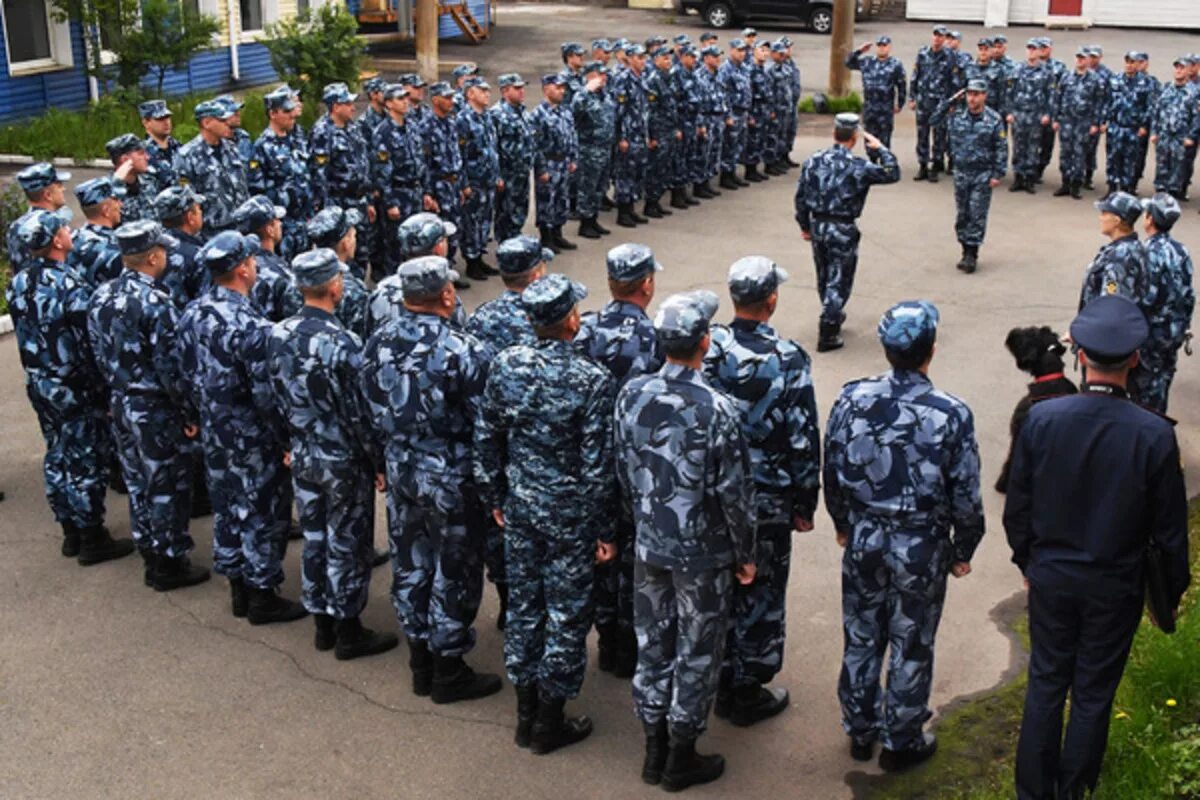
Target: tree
point(315, 48)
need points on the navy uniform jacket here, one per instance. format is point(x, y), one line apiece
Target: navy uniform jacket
point(835, 182)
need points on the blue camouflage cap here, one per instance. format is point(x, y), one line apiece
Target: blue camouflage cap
point(999, 39)
point(658, 52)
point(941, 30)
point(1095, 50)
point(955, 35)
point(425, 276)
point(141, 236)
point(621, 44)
point(778, 47)
point(234, 104)
point(510, 79)
point(711, 50)
point(553, 79)
point(153, 109)
point(120, 145)
point(907, 324)
point(212, 108)
point(465, 69)
point(1109, 329)
point(688, 50)
point(521, 254)
point(569, 49)
point(846, 121)
point(420, 233)
point(412, 79)
point(681, 39)
point(1182, 61)
point(984, 41)
point(550, 299)
point(884, 39)
point(635, 50)
point(977, 85)
point(1141, 56)
point(1035, 42)
point(1163, 209)
point(595, 66)
point(708, 36)
point(37, 231)
point(337, 93)
point(602, 44)
point(97, 190)
point(39, 176)
point(316, 268)
point(280, 99)
point(747, 32)
point(738, 44)
point(630, 261)
point(441, 89)
point(256, 213)
point(685, 317)
point(331, 224)
point(476, 82)
point(655, 41)
point(1123, 205)
point(1131, 55)
point(754, 278)
point(395, 91)
point(374, 84)
point(173, 201)
point(787, 42)
point(226, 250)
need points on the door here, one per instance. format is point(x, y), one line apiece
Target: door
point(1066, 8)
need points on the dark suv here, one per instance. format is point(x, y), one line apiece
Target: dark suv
point(817, 14)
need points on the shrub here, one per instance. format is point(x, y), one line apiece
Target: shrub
point(834, 105)
point(315, 48)
point(12, 205)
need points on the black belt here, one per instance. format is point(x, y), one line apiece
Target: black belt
point(556, 156)
point(832, 218)
point(448, 178)
point(140, 392)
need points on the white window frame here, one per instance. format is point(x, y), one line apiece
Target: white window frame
point(270, 13)
point(60, 48)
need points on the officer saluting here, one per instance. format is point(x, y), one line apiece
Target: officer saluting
point(1108, 478)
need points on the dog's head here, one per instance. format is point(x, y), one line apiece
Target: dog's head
point(1038, 351)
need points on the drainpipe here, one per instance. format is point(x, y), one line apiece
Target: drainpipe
point(234, 30)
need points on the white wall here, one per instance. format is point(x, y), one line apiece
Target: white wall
point(1142, 13)
point(957, 10)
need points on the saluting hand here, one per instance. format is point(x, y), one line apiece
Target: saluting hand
point(745, 574)
point(871, 141)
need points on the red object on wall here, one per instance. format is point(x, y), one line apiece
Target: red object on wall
point(1066, 8)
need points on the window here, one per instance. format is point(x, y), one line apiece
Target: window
point(302, 6)
point(252, 14)
point(191, 7)
point(34, 41)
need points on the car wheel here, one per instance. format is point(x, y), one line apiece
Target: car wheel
point(821, 20)
point(718, 15)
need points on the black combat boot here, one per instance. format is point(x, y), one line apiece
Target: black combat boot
point(723, 706)
point(325, 636)
point(453, 680)
point(658, 742)
point(502, 613)
point(547, 237)
point(267, 607)
point(147, 566)
point(685, 767)
point(829, 337)
point(239, 598)
point(355, 641)
point(627, 655)
point(475, 269)
point(971, 259)
point(606, 204)
point(420, 663)
point(922, 174)
point(603, 230)
point(1077, 191)
point(774, 169)
point(935, 169)
point(679, 198)
point(898, 760)
point(462, 285)
point(1031, 186)
point(738, 179)
point(862, 748)
point(562, 242)
point(552, 729)
point(96, 546)
point(1063, 190)
point(753, 175)
point(638, 218)
point(527, 703)
point(787, 161)
point(755, 703)
point(698, 191)
point(1018, 184)
point(588, 228)
point(728, 181)
point(176, 573)
point(606, 645)
point(708, 188)
point(650, 210)
point(70, 542)
point(1088, 182)
point(625, 216)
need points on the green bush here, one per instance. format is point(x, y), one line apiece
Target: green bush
point(316, 48)
point(836, 105)
point(12, 205)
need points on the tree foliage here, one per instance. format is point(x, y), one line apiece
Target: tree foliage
point(315, 48)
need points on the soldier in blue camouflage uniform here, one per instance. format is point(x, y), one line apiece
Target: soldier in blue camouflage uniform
point(929, 86)
point(481, 172)
point(693, 507)
point(979, 149)
point(211, 165)
point(982, 69)
point(337, 229)
point(901, 473)
point(1030, 95)
point(423, 234)
point(314, 368)
point(759, 121)
point(43, 186)
point(1058, 71)
point(594, 111)
point(131, 328)
point(573, 82)
point(443, 158)
point(543, 463)
point(418, 113)
point(830, 196)
point(461, 74)
point(399, 173)
point(160, 145)
point(340, 169)
point(274, 293)
point(1095, 52)
point(769, 380)
point(1174, 127)
point(1078, 108)
point(514, 143)
point(48, 302)
point(734, 80)
point(555, 160)
point(131, 167)
point(1131, 98)
point(95, 255)
point(423, 380)
point(885, 87)
point(223, 341)
point(780, 81)
point(716, 117)
point(689, 102)
point(242, 142)
point(179, 210)
point(376, 111)
point(279, 169)
point(791, 119)
point(1167, 303)
point(629, 137)
point(1120, 266)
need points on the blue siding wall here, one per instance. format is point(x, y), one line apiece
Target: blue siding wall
point(213, 69)
point(448, 29)
point(31, 94)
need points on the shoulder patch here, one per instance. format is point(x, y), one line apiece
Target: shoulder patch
point(383, 155)
point(1110, 287)
point(253, 164)
point(322, 158)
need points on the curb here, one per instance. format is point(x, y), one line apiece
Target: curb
point(90, 163)
point(6, 324)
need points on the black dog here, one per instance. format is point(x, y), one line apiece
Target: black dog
point(1039, 352)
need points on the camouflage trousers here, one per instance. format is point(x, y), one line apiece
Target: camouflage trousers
point(893, 586)
point(790, 119)
point(679, 161)
point(697, 159)
point(1143, 154)
point(927, 133)
point(156, 460)
point(1072, 150)
point(1170, 174)
point(435, 531)
point(756, 138)
point(835, 254)
point(681, 620)
point(409, 202)
point(75, 467)
point(493, 551)
point(660, 161)
point(758, 623)
point(512, 206)
point(477, 212)
point(733, 143)
point(1189, 165)
point(1150, 380)
point(776, 147)
point(629, 172)
point(972, 201)
point(1046, 150)
point(251, 493)
point(549, 603)
point(1122, 147)
point(448, 196)
point(1027, 144)
point(335, 501)
point(613, 591)
point(880, 122)
point(553, 201)
point(591, 179)
point(1091, 147)
point(714, 143)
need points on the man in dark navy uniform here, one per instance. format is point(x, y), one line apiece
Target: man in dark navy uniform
point(1094, 477)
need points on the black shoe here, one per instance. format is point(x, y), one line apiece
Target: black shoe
point(355, 641)
point(1062, 191)
point(462, 285)
point(933, 174)
point(475, 269)
point(728, 182)
point(922, 174)
point(678, 199)
point(326, 634)
point(606, 204)
point(651, 211)
point(563, 244)
point(1087, 184)
point(898, 760)
point(1031, 186)
point(1018, 184)
point(239, 598)
point(420, 663)
point(962, 262)
point(787, 160)
point(775, 169)
point(755, 703)
point(740, 181)
point(588, 229)
point(70, 542)
point(453, 680)
point(502, 613)
point(379, 558)
point(638, 218)
point(487, 268)
point(690, 199)
point(698, 191)
point(176, 573)
point(752, 174)
point(971, 261)
point(552, 729)
point(862, 749)
point(267, 607)
point(658, 743)
point(603, 230)
point(1077, 191)
point(527, 703)
point(96, 546)
point(625, 216)
point(712, 192)
point(829, 337)
point(606, 646)
point(548, 242)
point(685, 767)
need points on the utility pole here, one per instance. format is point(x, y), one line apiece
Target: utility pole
point(841, 42)
point(427, 39)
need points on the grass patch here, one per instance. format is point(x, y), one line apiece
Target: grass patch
point(1153, 744)
point(834, 105)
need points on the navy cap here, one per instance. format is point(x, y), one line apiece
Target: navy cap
point(331, 224)
point(630, 261)
point(885, 39)
point(420, 233)
point(375, 84)
point(1182, 61)
point(620, 45)
point(754, 278)
point(941, 30)
point(787, 42)
point(1110, 329)
point(749, 32)
point(635, 50)
point(337, 93)
point(37, 230)
point(1141, 56)
point(173, 201)
point(1163, 209)
point(709, 36)
point(257, 212)
point(1081, 52)
point(977, 85)
point(39, 176)
point(594, 66)
point(97, 190)
point(550, 299)
point(955, 35)
point(463, 70)
point(412, 79)
point(681, 38)
point(685, 317)
point(521, 254)
point(120, 145)
point(1131, 55)
point(153, 109)
point(394, 91)
point(553, 79)
point(984, 42)
point(711, 50)
point(425, 276)
point(316, 268)
point(510, 79)
point(660, 51)
point(569, 49)
point(141, 236)
point(1046, 41)
point(778, 47)
point(441, 89)
point(1123, 204)
point(738, 44)
point(226, 250)
point(1034, 42)
point(1095, 50)
point(280, 99)
point(476, 82)
point(846, 121)
point(1000, 39)
point(908, 323)
point(229, 100)
point(602, 44)
point(212, 108)
point(655, 41)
